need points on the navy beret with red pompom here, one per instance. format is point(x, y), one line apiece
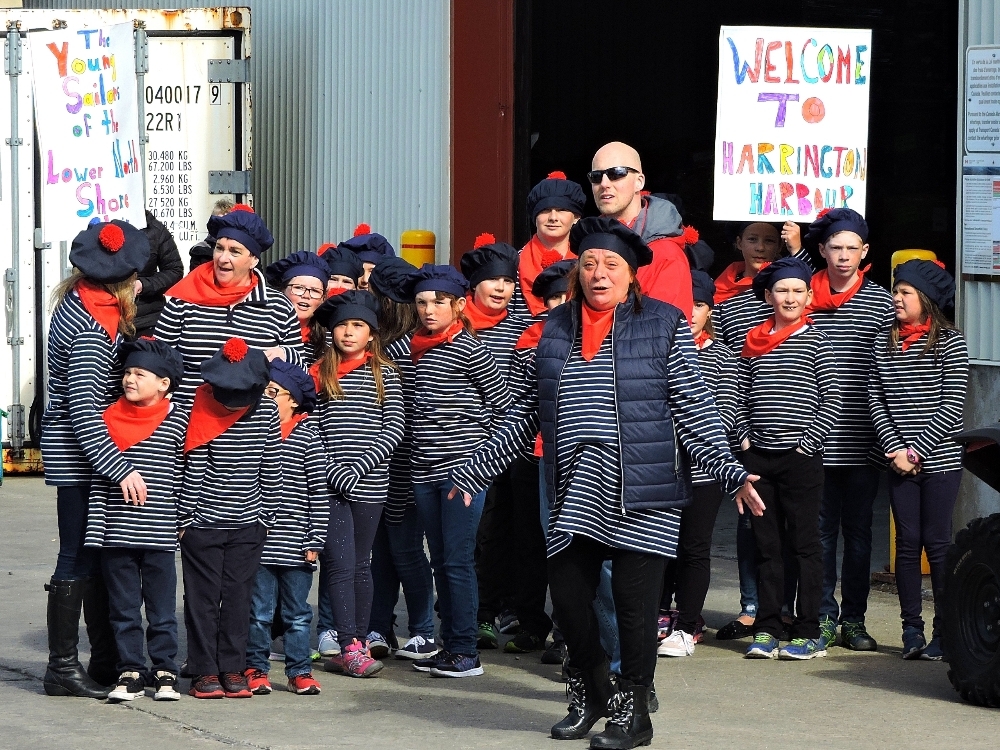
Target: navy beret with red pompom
point(107, 253)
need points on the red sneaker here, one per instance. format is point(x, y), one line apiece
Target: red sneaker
point(235, 685)
point(357, 663)
point(303, 684)
point(257, 681)
point(206, 686)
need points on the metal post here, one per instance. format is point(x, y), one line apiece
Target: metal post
point(12, 67)
point(141, 68)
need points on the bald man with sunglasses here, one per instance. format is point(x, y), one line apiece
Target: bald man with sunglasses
point(617, 181)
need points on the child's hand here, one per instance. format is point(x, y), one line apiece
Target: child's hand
point(312, 555)
point(747, 495)
point(466, 497)
point(792, 236)
point(274, 352)
point(134, 489)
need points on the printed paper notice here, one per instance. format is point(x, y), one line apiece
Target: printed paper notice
point(982, 99)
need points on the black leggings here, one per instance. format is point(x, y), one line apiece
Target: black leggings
point(689, 575)
point(74, 561)
point(348, 553)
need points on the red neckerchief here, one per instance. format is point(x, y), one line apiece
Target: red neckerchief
point(423, 340)
point(199, 288)
point(731, 282)
point(539, 453)
point(596, 326)
point(760, 340)
point(314, 371)
point(335, 292)
point(824, 298)
point(102, 306)
point(287, 427)
point(535, 258)
point(350, 365)
point(209, 418)
point(531, 335)
point(481, 319)
point(911, 333)
point(305, 329)
point(701, 338)
point(129, 424)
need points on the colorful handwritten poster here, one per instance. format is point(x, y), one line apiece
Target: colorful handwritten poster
point(792, 122)
point(86, 112)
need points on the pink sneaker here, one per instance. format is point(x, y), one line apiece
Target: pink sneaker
point(356, 662)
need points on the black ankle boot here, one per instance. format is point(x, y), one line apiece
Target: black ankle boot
point(589, 692)
point(65, 675)
point(629, 725)
point(103, 666)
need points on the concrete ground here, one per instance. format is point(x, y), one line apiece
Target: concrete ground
point(714, 699)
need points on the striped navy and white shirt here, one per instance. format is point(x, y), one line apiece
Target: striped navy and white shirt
point(303, 509)
point(400, 478)
point(85, 378)
point(518, 305)
point(502, 338)
point(235, 480)
point(111, 522)
point(359, 435)
point(264, 319)
point(460, 399)
point(918, 401)
point(588, 459)
point(718, 364)
point(852, 329)
point(734, 317)
point(790, 397)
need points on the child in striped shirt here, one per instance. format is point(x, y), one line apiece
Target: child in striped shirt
point(460, 397)
point(917, 400)
point(361, 423)
point(138, 541)
point(788, 401)
point(293, 544)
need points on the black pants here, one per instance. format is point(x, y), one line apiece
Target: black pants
point(348, 555)
point(220, 566)
point(791, 487)
point(689, 575)
point(922, 506)
point(636, 583)
point(527, 543)
point(493, 551)
point(136, 577)
point(74, 560)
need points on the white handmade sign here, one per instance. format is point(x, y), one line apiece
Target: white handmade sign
point(792, 122)
point(86, 112)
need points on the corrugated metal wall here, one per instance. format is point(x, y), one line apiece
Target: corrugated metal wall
point(351, 115)
point(979, 301)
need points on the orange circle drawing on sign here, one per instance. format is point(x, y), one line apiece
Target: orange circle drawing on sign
point(813, 110)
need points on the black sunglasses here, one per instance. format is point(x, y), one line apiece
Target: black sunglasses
point(614, 174)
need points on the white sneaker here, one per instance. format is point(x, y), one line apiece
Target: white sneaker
point(166, 687)
point(677, 643)
point(129, 687)
point(418, 648)
point(328, 643)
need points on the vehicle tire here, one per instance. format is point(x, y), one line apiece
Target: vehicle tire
point(971, 612)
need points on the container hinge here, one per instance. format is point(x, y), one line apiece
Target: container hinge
point(226, 183)
point(12, 49)
point(40, 243)
point(15, 424)
point(14, 141)
point(9, 284)
point(229, 71)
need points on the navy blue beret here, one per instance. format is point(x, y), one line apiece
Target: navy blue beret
point(302, 263)
point(783, 268)
point(936, 283)
point(158, 357)
point(553, 280)
point(389, 278)
point(351, 304)
point(605, 233)
point(489, 260)
point(244, 226)
point(237, 374)
point(107, 253)
point(369, 246)
point(555, 191)
point(431, 278)
point(297, 382)
point(837, 220)
point(703, 287)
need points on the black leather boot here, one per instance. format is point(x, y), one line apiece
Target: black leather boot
point(103, 666)
point(629, 725)
point(65, 675)
point(589, 692)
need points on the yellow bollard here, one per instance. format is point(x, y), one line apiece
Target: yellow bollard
point(901, 256)
point(417, 246)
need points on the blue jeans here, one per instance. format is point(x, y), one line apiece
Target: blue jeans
point(746, 562)
point(607, 618)
point(292, 586)
point(451, 537)
point(398, 558)
point(848, 497)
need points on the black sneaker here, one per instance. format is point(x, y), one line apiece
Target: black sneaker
point(130, 685)
point(524, 643)
point(855, 637)
point(426, 665)
point(508, 622)
point(554, 654)
point(458, 665)
point(166, 687)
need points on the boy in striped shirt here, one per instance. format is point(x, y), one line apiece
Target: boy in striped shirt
point(788, 402)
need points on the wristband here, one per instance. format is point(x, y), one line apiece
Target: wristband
point(912, 457)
